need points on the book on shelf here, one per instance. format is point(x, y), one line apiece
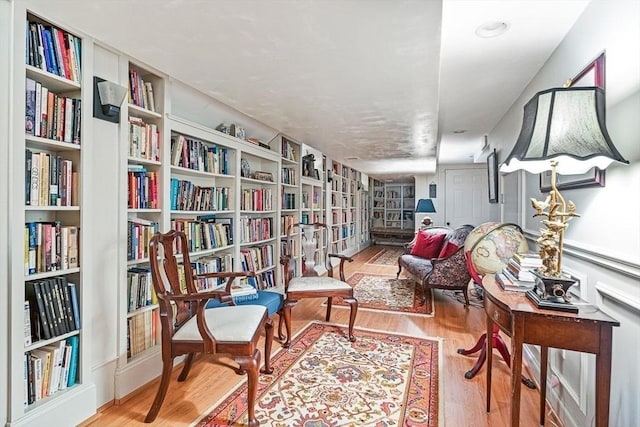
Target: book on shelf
point(508, 284)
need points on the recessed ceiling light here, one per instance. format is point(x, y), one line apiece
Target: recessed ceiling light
point(492, 29)
point(459, 131)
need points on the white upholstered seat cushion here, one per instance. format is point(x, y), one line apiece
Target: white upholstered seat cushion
point(320, 284)
point(231, 324)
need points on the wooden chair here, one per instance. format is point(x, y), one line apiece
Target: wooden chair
point(187, 328)
point(315, 239)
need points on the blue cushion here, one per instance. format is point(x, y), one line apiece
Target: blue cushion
point(271, 300)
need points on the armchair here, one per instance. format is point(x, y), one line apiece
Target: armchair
point(445, 267)
point(315, 239)
point(188, 328)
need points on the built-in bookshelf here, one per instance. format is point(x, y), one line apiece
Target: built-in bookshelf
point(392, 205)
point(365, 215)
point(143, 173)
point(259, 215)
point(290, 191)
point(47, 357)
point(344, 208)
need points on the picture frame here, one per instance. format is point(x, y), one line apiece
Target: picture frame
point(591, 75)
point(316, 174)
point(492, 172)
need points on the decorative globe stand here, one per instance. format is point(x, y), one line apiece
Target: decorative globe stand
point(497, 341)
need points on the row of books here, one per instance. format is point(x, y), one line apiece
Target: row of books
point(212, 264)
point(141, 91)
point(139, 234)
point(187, 196)
point(140, 291)
point(144, 140)
point(289, 175)
point(288, 150)
point(255, 229)
point(50, 368)
point(256, 199)
point(49, 180)
point(288, 200)
point(256, 258)
point(205, 232)
point(51, 116)
point(53, 50)
point(51, 247)
point(142, 332)
point(53, 307)
point(310, 201)
point(197, 155)
point(305, 218)
point(142, 186)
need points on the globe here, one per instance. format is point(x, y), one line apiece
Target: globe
point(492, 244)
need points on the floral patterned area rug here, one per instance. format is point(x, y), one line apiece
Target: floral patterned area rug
point(323, 379)
point(377, 292)
point(386, 257)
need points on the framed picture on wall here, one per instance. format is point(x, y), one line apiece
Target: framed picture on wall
point(591, 75)
point(492, 170)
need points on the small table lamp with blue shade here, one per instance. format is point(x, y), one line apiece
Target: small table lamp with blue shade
point(426, 206)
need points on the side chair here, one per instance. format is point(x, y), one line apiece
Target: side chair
point(312, 283)
point(188, 328)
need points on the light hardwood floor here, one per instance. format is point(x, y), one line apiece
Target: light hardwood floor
point(463, 401)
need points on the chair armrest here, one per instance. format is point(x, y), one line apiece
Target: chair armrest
point(449, 271)
point(225, 295)
point(343, 259)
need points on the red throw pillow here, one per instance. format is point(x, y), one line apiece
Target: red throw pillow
point(427, 245)
point(448, 249)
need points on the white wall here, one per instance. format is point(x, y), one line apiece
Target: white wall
point(603, 245)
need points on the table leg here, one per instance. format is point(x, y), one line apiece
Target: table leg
point(544, 353)
point(489, 354)
point(516, 369)
point(603, 377)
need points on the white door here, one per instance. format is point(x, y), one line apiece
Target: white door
point(467, 198)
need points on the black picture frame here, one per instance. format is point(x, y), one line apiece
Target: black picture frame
point(492, 174)
point(591, 75)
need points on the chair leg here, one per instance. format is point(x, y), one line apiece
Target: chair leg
point(399, 270)
point(466, 297)
point(187, 367)
point(167, 367)
point(268, 342)
point(280, 322)
point(286, 311)
point(250, 365)
point(329, 304)
point(352, 317)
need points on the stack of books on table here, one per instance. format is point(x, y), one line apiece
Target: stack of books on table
point(518, 275)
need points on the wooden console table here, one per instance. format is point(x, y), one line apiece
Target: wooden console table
point(587, 331)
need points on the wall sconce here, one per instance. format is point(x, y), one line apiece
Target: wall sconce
point(107, 98)
point(329, 175)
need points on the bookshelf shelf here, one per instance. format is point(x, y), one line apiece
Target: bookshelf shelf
point(46, 214)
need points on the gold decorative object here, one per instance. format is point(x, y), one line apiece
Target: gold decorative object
point(563, 130)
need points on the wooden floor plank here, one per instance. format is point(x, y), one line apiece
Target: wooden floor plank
point(463, 401)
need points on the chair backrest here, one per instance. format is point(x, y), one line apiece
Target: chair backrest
point(314, 241)
point(170, 278)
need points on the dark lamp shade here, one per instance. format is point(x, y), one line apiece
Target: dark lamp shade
point(425, 206)
point(566, 125)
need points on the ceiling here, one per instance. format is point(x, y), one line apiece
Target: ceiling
point(381, 84)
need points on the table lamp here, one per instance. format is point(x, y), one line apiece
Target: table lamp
point(426, 206)
point(564, 131)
